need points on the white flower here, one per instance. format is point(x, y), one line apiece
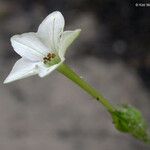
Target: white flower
point(43, 51)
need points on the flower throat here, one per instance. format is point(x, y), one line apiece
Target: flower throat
point(51, 59)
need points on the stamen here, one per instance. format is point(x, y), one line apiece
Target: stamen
point(53, 55)
point(45, 58)
point(49, 57)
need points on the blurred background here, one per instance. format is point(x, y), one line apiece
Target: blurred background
point(112, 53)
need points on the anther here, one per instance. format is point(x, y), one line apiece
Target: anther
point(45, 58)
point(53, 55)
point(49, 55)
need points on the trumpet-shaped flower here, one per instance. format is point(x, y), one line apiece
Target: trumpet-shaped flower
point(43, 51)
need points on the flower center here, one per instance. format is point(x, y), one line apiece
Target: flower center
point(51, 59)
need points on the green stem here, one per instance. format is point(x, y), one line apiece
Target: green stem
point(68, 72)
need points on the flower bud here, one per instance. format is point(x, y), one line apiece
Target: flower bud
point(128, 119)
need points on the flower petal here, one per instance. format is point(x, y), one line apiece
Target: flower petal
point(66, 39)
point(28, 45)
point(44, 71)
point(51, 29)
point(23, 68)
